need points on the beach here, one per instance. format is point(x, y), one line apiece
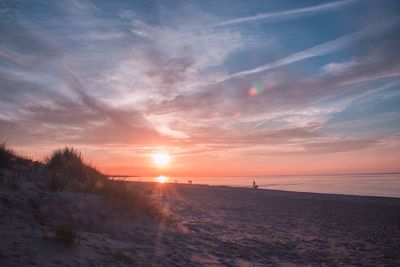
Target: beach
point(208, 226)
point(199, 133)
point(252, 227)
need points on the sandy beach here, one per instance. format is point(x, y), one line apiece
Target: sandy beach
point(247, 227)
point(209, 226)
point(199, 133)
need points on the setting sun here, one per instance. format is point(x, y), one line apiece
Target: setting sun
point(162, 179)
point(200, 133)
point(161, 159)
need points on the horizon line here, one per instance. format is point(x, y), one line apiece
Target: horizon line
point(322, 174)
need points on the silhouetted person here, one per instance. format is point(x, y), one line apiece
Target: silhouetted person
point(190, 181)
point(254, 184)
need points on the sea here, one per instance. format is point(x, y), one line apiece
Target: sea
point(382, 185)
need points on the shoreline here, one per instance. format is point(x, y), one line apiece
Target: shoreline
point(247, 227)
point(209, 226)
point(261, 188)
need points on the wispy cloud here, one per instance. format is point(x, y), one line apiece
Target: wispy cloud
point(163, 76)
point(283, 105)
point(323, 49)
point(288, 14)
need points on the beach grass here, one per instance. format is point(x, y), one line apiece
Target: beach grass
point(68, 168)
point(66, 235)
point(6, 156)
point(70, 171)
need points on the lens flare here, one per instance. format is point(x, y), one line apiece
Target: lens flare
point(256, 89)
point(252, 91)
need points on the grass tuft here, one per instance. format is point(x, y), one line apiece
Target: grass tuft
point(69, 170)
point(7, 156)
point(132, 201)
point(67, 167)
point(66, 235)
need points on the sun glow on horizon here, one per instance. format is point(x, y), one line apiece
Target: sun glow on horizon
point(161, 159)
point(162, 179)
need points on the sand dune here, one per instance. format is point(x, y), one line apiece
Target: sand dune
point(211, 226)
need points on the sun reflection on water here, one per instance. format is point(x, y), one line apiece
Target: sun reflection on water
point(162, 179)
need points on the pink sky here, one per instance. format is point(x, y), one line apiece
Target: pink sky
point(271, 87)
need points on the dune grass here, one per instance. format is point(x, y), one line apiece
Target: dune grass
point(66, 235)
point(7, 156)
point(68, 168)
point(131, 201)
point(9, 159)
point(70, 171)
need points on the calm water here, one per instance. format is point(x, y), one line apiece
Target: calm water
point(355, 184)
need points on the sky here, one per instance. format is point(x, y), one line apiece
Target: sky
point(225, 87)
